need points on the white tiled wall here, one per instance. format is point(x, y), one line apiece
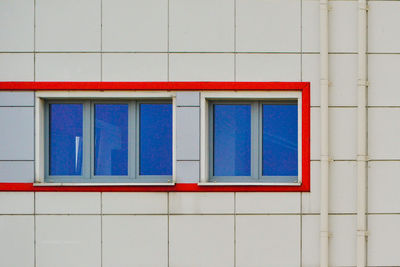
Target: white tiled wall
point(190, 40)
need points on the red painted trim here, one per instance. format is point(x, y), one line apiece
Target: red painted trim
point(31, 86)
point(304, 87)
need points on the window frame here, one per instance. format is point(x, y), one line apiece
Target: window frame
point(208, 99)
point(89, 100)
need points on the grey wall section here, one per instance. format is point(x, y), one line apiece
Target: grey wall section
point(12, 99)
point(16, 171)
point(188, 137)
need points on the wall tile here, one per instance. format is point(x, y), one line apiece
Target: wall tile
point(16, 171)
point(134, 203)
point(311, 73)
point(310, 241)
point(267, 202)
point(315, 133)
point(383, 185)
point(201, 67)
point(342, 246)
point(135, 241)
point(135, 25)
point(67, 203)
point(311, 200)
point(16, 67)
point(68, 25)
point(12, 98)
point(383, 240)
point(343, 187)
point(264, 240)
point(201, 203)
point(383, 133)
point(205, 240)
point(201, 25)
point(16, 202)
point(343, 133)
point(17, 241)
point(268, 67)
point(343, 21)
point(68, 67)
point(310, 26)
point(135, 67)
point(268, 25)
point(65, 241)
point(188, 133)
point(383, 73)
point(16, 18)
point(16, 136)
point(187, 171)
point(188, 99)
point(383, 21)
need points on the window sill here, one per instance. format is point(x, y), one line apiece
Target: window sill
point(247, 184)
point(103, 184)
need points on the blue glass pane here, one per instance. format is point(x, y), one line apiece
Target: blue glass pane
point(111, 139)
point(279, 140)
point(232, 140)
point(155, 139)
point(65, 139)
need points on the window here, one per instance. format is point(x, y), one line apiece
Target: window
point(252, 138)
point(108, 141)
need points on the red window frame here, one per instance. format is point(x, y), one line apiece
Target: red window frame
point(303, 87)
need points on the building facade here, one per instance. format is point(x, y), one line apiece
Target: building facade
point(215, 73)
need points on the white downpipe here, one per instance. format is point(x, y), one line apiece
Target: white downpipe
point(362, 135)
point(324, 68)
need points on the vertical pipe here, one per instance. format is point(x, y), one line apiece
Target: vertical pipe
point(324, 75)
point(362, 134)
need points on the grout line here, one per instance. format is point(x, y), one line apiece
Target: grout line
point(168, 52)
point(168, 229)
point(34, 229)
point(234, 229)
point(101, 40)
point(234, 42)
point(101, 228)
point(34, 40)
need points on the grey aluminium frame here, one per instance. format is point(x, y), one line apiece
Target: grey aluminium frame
point(256, 143)
point(88, 147)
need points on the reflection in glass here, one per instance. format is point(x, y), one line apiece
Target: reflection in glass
point(232, 140)
point(155, 139)
point(111, 139)
point(279, 140)
point(65, 139)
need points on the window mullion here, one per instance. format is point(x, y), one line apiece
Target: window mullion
point(132, 170)
point(87, 140)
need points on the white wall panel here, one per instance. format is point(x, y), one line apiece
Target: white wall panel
point(16, 202)
point(16, 67)
point(16, 171)
point(201, 67)
point(343, 187)
point(201, 203)
point(201, 240)
point(263, 240)
point(383, 26)
point(343, 77)
point(383, 240)
point(16, 20)
point(270, 202)
point(268, 67)
point(66, 241)
point(272, 25)
point(343, 240)
point(205, 26)
point(135, 25)
point(72, 25)
point(383, 186)
point(315, 134)
point(383, 133)
point(343, 23)
point(383, 74)
point(68, 67)
point(343, 133)
point(310, 26)
point(15, 98)
point(67, 203)
point(17, 241)
point(135, 67)
point(310, 71)
point(134, 203)
point(311, 200)
point(135, 241)
point(310, 240)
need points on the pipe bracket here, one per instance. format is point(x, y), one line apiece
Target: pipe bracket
point(362, 82)
point(362, 158)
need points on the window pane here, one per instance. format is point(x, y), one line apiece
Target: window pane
point(111, 139)
point(155, 139)
point(232, 140)
point(65, 139)
point(279, 138)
